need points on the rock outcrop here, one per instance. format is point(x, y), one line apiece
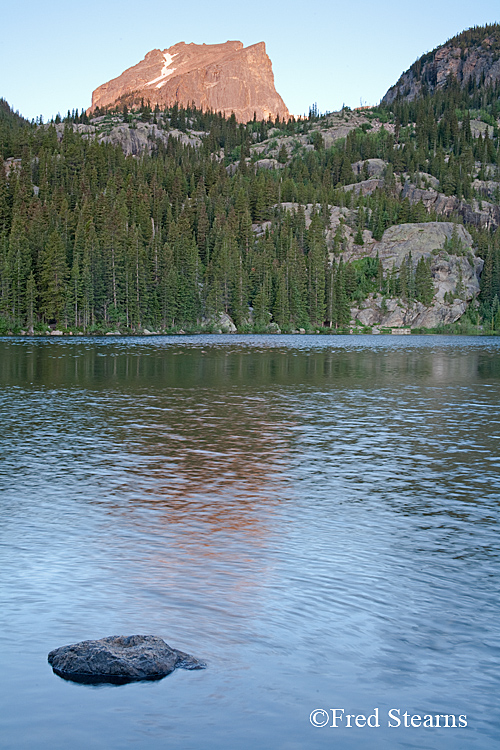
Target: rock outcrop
point(220, 323)
point(483, 214)
point(392, 313)
point(455, 275)
point(373, 167)
point(225, 78)
point(419, 240)
point(480, 214)
point(119, 659)
point(472, 56)
point(448, 247)
point(135, 139)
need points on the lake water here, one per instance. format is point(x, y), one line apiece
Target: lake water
point(317, 517)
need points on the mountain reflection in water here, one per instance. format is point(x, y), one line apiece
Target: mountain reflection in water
point(316, 517)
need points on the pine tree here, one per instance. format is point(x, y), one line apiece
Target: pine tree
point(330, 314)
point(202, 227)
point(188, 267)
point(90, 251)
point(75, 290)
point(18, 268)
point(380, 274)
point(424, 286)
point(402, 287)
point(262, 302)
point(486, 291)
point(316, 268)
point(168, 282)
point(31, 300)
point(459, 286)
point(342, 308)
point(221, 272)
point(282, 154)
point(281, 308)
point(410, 278)
point(296, 284)
point(53, 280)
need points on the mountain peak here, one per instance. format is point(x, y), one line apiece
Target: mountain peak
point(226, 77)
point(472, 58)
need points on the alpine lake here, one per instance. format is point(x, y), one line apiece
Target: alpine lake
point(316, 517)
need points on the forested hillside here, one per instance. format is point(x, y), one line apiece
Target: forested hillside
point(279, 225)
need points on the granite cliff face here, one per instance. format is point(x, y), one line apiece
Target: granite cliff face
point(223, 77)
point(470, 57)
point(455, 275)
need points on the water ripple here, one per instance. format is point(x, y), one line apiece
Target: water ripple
point(316, 516)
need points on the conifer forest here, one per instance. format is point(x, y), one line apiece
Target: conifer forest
point(93, 240)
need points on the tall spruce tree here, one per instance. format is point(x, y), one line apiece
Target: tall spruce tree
point(424, 285)
point(54, 278)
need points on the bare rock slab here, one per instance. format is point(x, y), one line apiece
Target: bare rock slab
point(119, 659)
point(227, 77)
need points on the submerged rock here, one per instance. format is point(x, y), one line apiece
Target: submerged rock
point(119, 659)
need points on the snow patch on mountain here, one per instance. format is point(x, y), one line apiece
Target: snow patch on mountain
point(165, 71)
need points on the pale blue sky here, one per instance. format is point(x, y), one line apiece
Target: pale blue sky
point(53, 55)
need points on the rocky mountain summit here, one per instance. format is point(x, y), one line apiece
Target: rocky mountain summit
point(472, 58)
point(227, 78)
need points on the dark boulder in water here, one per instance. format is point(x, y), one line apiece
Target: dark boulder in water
point(119, 659)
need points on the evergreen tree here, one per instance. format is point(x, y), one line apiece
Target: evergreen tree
point(424, 286)
point(168, 283)
point(296, 284)
point(342, 309)
point(316, 262)
point(18, 268)
point(54, 278)
point(188, 267)
point(31, 301)
point(459, 287)
point(281, 308)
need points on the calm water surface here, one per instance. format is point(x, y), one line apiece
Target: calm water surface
point(316, 517)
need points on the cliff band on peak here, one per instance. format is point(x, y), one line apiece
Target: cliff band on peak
point(227, 78)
